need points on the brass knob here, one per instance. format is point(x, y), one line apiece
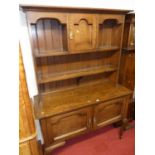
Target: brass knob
point(71, 35)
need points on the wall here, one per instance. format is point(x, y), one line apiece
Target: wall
point(113, 4)
point(24, 38)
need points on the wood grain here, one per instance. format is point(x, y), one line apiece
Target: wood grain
point(26, 118)
point(63, 101)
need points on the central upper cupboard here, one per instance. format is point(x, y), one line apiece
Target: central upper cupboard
point(56, 33)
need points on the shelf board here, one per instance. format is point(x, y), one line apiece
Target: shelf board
point(52, 53)
point(75, 73)
point(129, 49)
point(53, 103)
point(58, 53)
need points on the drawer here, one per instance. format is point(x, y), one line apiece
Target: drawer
point(107, 113)
point(65, 126)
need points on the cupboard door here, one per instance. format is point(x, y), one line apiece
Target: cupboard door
point(67, 125)
point(82, 32)
point(107, 113)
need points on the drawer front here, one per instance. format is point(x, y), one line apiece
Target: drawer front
point(107, 113)
point(67, 125)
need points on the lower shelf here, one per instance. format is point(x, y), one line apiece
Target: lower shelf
point(54, 103)
point(76, 73)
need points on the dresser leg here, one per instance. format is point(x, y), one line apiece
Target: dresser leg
point(123, 126)
point(48, 153)
point(117, 124)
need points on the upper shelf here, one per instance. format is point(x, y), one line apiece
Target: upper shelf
point(76, 73)
point(58, 53)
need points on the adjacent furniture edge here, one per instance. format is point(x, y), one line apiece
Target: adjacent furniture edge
point(128, 49)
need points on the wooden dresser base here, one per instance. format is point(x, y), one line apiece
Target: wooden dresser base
point(64, 115)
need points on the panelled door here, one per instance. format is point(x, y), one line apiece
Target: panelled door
point(107, 113)
point(67, 125)
point(82, 32)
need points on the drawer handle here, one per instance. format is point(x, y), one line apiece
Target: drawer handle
point(131, 43)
